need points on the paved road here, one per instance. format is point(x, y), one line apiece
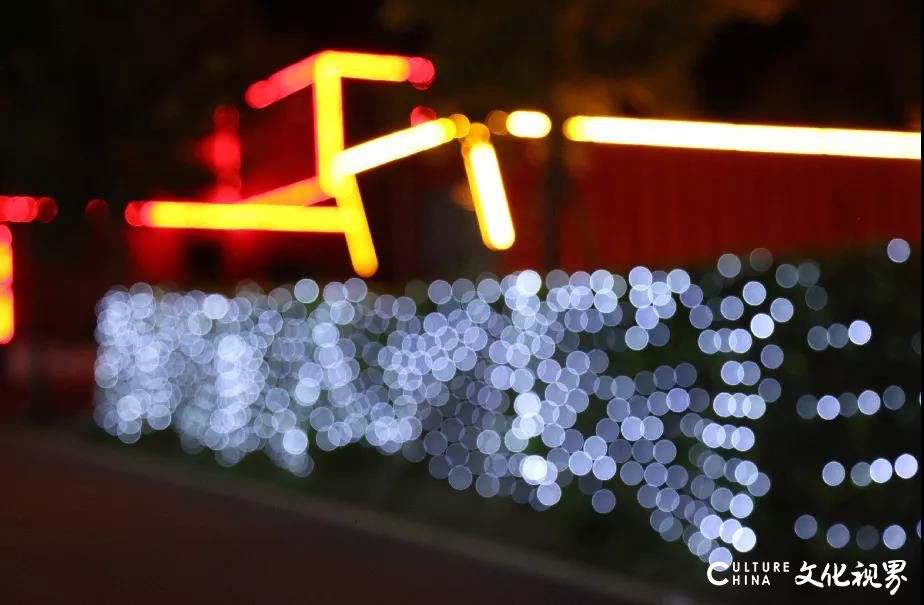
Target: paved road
point(76, 529)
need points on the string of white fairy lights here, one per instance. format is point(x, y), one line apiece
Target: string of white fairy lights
point(485, 382)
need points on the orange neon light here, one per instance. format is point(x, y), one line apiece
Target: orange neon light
point(235, 216)
point(7, 315)
point(745, 137)
point(528, 124)
point(488, 195)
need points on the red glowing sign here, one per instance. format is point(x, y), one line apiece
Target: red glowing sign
point(16, 209)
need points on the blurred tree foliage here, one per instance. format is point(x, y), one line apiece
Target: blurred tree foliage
point(576, 56)
point(821, 61)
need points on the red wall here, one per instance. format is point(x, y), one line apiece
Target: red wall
point(657, 205)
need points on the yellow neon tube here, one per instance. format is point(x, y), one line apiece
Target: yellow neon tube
point(356, 229)
point(488, 195)
point(745, 137)
point(262, 217)
point(393, 146)
point(528, 124)
point(7, 311)
point(300, 193)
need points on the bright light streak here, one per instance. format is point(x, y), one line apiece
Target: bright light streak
point(393, 146)
point(16, 209)
point(356, 229)
point(329, 141)
point(745, 137)
point(488, 195)
point(329, 124)
point(7, 315)
point(336, 165)
point(528, 124)
point(362, 66)
point(300, 193)
point(258, 217)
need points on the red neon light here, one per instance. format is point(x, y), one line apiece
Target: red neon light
point(25, 209)
point(364, 66)
point(420, 72)
point(16, 209)
point(221, 153)
point(421, 114)
point(96, 208)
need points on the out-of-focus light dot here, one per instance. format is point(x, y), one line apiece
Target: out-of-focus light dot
point(548, 494)
point(306, 290)
point(787, 276)
point(729, 265)
point(534, 468)
point(761, 259)
point(356, 289)
point(838, 536)
point(809, 273)
point(528, 282)
point(636, 338)
point(859, 474)
point(817, 338)
point(859, 332)
point(833, 473)
point(762, 325)
point(744, 539)
point(754, 293)
point(460, 477)
point(893, 537)
point(816, 298)
point(678, 280)
point(868, 402)
point(828, 407)
point(580, 463)
point(640, 277)
point(295, 441)
point(771, 356)
point(711, 526)
point(603, 501)
point(781, 310)
point(838, 336)
point(867, 537)
point(440, 292)
point(806, 527)
point(906, 466)
point(741, 506)
point(731, 308)
point(893, 397)
point(880, 470)
point(898, 250)
point(722, 556)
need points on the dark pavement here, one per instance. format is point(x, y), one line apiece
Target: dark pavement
point(77, 526)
